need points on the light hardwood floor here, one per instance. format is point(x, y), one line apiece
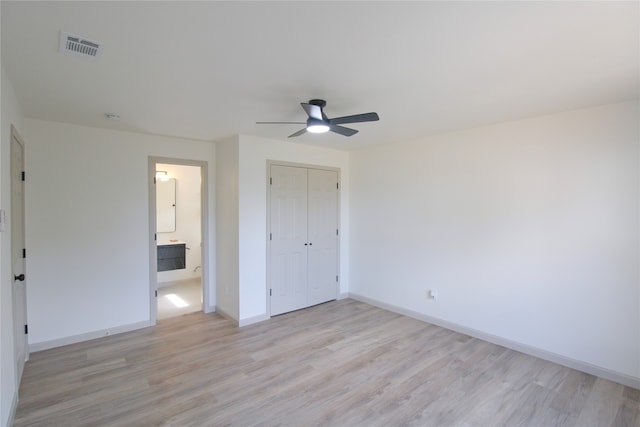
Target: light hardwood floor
point(343, 363)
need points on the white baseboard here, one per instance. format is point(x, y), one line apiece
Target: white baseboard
point(343, 295)
point(45, 345)
point(14, 407)
point(226, 315)
point(252, 320)
point(207, 309)
point(513, 345)
point(243, 322)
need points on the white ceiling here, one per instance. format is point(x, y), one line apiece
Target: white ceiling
point(206, 70)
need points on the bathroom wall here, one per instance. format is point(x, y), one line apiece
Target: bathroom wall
point(188, 221)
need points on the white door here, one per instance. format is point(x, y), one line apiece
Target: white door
point(323, 236)
point(17, 252)
point(288, 239)
point(303, 237)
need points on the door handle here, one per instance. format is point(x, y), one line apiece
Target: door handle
point(19, 278)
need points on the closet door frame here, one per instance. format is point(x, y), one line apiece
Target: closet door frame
point(268, 227)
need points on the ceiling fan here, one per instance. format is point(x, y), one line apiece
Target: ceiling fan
point(318, 122)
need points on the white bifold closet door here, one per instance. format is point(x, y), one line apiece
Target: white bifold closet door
point(303, 237)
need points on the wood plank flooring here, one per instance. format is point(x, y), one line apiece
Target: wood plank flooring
point(342, 363)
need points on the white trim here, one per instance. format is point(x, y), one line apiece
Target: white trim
point(271, 162)
point(252, 320)
point(208, 309)
point(343, 295)
point(268, 241)
point(225, 315)
point(204, 233)
point(153, 248)
point(101, 333)
point(242, 322)
point(586, 367)
point(14, 408)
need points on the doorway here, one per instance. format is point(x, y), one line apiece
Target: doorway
point(178, 230)
point(18, 253)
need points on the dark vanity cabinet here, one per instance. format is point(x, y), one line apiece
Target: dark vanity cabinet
point(171, 256)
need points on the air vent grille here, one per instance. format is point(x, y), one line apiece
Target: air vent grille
point(79, 46)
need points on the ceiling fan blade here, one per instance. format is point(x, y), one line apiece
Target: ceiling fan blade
point(342, 130)
point(300, 132)
point(312, 111)
point(356, 118)
point(280, 123)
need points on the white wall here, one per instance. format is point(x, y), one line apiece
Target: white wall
point(254, 153)
point(11, 114)
point(188, 213)
point(227, 291)
point(529, 231)
point(87, 227)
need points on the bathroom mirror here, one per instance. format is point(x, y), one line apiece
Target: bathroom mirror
point(166, 205)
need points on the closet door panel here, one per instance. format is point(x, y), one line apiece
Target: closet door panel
point(288, 217)
point(322, 235)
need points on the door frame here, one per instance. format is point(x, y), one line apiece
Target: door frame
point(268, 225)
point(204, 231)
point(19, 332)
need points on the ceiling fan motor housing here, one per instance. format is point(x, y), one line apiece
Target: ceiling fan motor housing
point(319, 102)
point(316, 122)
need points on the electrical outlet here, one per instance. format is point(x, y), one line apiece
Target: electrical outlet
point(432, 294)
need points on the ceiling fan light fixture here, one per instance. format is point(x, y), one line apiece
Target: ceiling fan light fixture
point(317, 126)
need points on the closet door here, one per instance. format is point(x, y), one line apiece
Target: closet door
point(322, 253)
point(303, 237)
point(288, 239)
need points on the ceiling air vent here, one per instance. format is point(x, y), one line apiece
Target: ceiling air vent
point(79, 46)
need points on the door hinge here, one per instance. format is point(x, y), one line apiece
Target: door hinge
point(155, 236)
point(26, 329)
point(22, 176)
point(270, 181)
point(24, 253)
point(270, 236)
point(337, 185)
point(154, 179)
point(337, 232)
point(156, 293)
point(336, 278)
point(270, 292)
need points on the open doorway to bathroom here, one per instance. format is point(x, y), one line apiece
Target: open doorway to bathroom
point(177, 247)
